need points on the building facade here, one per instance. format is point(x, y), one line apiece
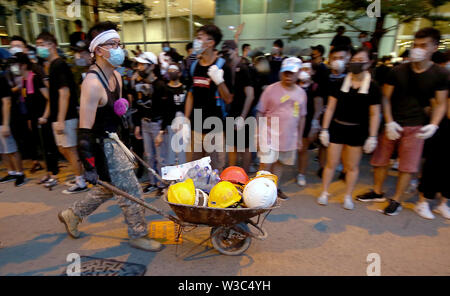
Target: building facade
point(177, 20)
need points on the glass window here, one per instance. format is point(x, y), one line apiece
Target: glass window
point(3, 30)
point(179, 20)
point(44, 23)
point(226, 7)
point(278, 6)
point(305, 5)
point(203, 13)
point(252, 6)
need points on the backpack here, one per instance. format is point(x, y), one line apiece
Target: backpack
point(219, 101)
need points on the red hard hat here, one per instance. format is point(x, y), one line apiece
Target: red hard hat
point(234, 174)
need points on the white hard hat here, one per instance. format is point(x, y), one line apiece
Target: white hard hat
point(147, 58)
point(201, 198)
point(260, 193)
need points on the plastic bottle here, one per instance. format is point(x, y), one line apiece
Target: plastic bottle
point(192, 173)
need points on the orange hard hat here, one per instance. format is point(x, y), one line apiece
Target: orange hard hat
point(234, 174)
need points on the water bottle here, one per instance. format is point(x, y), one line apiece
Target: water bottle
point(191, 173)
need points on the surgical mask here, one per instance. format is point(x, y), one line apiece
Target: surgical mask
point(338, 66)
point(15, 49)
point(15, 69)
point(166, 49)
point(81, 62)
point(276, 50)
point(197, 46)
point(417, 54)
point(356, 68)
point(304, 76)
point(42, 52)
point(263, 67)
point(116, 57)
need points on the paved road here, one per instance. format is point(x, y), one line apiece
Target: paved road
point(304, 238)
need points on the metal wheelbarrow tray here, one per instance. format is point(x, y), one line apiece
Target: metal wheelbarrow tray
point(230, 233)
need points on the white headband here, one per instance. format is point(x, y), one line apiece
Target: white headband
point(173, 67)
point(102, 38)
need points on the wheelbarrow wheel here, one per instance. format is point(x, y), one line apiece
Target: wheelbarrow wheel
point(229, 241)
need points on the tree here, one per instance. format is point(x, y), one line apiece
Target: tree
point(348, 12)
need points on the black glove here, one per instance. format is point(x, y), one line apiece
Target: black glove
point(86, 151)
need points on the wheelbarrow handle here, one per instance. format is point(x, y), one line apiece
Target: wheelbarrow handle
point(146, 165)
point(139, 201)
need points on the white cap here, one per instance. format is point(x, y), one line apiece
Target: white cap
point(291, 64)
point(147, 58)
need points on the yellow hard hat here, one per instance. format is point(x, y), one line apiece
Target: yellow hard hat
point(182, 193)
point(268, 175)
point(223, 195)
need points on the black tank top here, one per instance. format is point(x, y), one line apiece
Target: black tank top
point(106, 120)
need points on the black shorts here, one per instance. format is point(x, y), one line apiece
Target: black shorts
point(352, 135)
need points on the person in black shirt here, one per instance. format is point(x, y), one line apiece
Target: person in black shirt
point(8, 146)
point(314, 105)
point(78, 38)
point(275, 60)
point(63, 107)
point(36, 97)
point(239, 109)
point(340, 39)
point(352, 117)
point(174, 106)
point(407, 93)
point(207, 81)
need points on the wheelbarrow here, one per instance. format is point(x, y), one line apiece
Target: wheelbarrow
point(230, 232)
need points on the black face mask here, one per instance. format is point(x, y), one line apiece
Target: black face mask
point(173, 76)
point(357, 68)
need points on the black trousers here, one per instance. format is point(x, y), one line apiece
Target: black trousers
point(435, 171)
point(45, 134)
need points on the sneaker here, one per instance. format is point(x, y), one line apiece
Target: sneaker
point(150, 188)
point(371, 196)
point(75, 189)
point(348, 203)
point(282, 195)
point(44, 180)
point(423, 210)
point(393, 209)
point(301, 180)
point(51, 183)
point(444, 210)
point(20, 180)
point(323, 199)
point(7, 178)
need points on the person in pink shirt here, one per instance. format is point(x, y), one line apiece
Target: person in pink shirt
point(281, 120)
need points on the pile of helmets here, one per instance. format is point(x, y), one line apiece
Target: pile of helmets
point(235, 190)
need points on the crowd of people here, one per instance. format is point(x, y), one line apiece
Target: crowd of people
point(341, 105)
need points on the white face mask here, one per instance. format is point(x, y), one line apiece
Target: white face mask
point(15, 49)
point(197, 46)
point(338, 66)
point(15, 69)
point(304, 76)
point(417, 54)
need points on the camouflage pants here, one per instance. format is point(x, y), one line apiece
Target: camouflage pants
point(123, 177)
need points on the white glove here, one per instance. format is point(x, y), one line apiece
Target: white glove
point(427, 131)
point(216, 74)
point(370, 145)
point(393, 130)
point(324, 137)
